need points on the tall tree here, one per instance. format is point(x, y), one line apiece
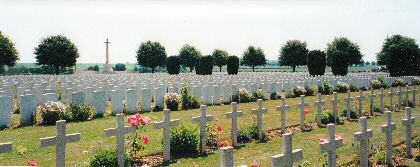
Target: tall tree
point(341, 53)
point(220, 58)
point(293, 53)
point(56, 51)
point(151, 54)
point(316, 62)
point(232, 65)
point(8, 53)
point(401, 56)
point(188, 55)
point(173, 65)
point(253, 57)
point(204, 65)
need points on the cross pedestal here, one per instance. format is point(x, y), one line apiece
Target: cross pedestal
point(387, 129)
point(234, 116)
point(202, 120)
point(302, 105)
point(334, 102)
point(349, 101)
point(166, 125)
point(119, 132)
point(407, 121)
point(283, 109)
point(331, 145)
point(259, 112)
point(60, 142)
point(363, 137)
point(226, 157)
point(288, 156)
point(319, 103)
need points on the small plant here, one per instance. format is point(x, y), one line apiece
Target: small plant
point(52, 112)
point(299, 90)
point(353, 115)
point(184, 140)
point(172, 101)
point(188, 101)
point(138, 142)
point(310, 91)
point(328, 117)
point(416, 81)
point(342, 87)
point(410, 103)
point(275, 96)
point(377, 110)
point(16, 111)
point(363, 88)
point(260, 95)
point(353, 88)
point(248, 133)
point(107, 158)
point(212, 132)
point(376, 84)
point(244, 96)
point(80, 113)
point(325, 89)
point(398, 82)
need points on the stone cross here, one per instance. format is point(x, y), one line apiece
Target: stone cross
point(414, 96)
point(234, 116)
point(387, 129)
point(348, 100)
point(363, 136)
point(119, 132)
point(382, 100)
point(391, 101)
point(372, 102)
point(302, 106)
point(202, 120)
point(60, 141)
point(399, 92)
point(331, 145)
point(334, 102)
point(407, 92)
point(259, 112)
point(407, 121)
point(360, 100)
point(283, 109)
point(166, 125)
point(288, 156)
point(319, 103)
point(226, 157)
point(5, 147)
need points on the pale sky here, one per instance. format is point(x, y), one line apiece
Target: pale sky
point(229, 25)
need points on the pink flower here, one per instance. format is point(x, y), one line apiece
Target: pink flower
point(255, 164)
point(145, 120)
point(219, 129)
point(137, 119)
point(133, 121)
point(338, 136)
point(306, 111)
point(145, 139)
point(32, 163)
point(323, 140)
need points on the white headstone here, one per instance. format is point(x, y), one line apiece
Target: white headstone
point(331, 145)
point(288, 156)
point(407, 121)
point(6, 110)
point(234, 114)
point(99, 102)
point(363, 137)
point(259, 112)
point(202, 120)
point(146, 101)
point(387, 129)
point(27, 109)
point(283, 109)
point(166, 125)
point(302, 105)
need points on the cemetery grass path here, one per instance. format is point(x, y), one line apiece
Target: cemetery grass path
point(26, 139)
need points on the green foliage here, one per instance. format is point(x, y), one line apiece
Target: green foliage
point(253, 57)
point(220, 58)
point(8, 53)
point(232, 65)
point(353, 88)
point(275, 96)
point(188, 101)
point(293, 53)
point(409, 102)
point(248, 133)
point(341, 53)
point(80, 113)
point(173, 65)
point(401, 56)
point(342, 87)
point(299, 90)
point(353, 115)
point(376, 84)
point(325, 89)
point(316, 62)
point(184, 140)
point(119, 67)
point(56, 51)
point(377, 110)
point(212, 136)
point(93, 68)
point(416, 81)
point(204, 65)
point(151, 54)
point(310, 91)
point(397, 82)
point(188, 56)
point(244, 96)
point(107, 158)
point(260, 95)
point(327, 117)
point(52, 112)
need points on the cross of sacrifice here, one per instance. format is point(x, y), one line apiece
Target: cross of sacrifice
point(60, 142)
point(407, 121)
point(119, 132)
point(283, 109)
point(387, 129)
point(288, 156)
point(382, 99)
point(360, 100)
point(372, 102)
point(202, 120)
point(334, 102)
point(391, 101)
point(319, 103)
point(5, 147)
point(399, 92)
point(302, 106)
point(226, 157)
point(259, 112)
point(166, 124)
point(234, 116)
point(363, 136)
point(348, 100)
point(331, 145)
point(407, 92)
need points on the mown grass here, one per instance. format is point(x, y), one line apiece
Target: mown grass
point(26, 139)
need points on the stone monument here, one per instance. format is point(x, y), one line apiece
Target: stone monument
point(107, 66)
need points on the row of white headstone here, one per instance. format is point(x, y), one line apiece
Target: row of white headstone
point(289, 156)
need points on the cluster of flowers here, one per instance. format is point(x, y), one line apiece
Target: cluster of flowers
point(172, 98)
point(54, 106)
point(139, 121)
point(299, 90)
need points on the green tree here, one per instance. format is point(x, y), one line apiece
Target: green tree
point(120, 67)
point(220, 58)
point(173, 65)
point(56, 51)
point(232, 65)
point(204, 65)
point(253, 57)
point(8, 53)
point(293, 53)
point(188, 56)
point(401, 56)
point(316, 62)
point(93, 68)
point(151, 54)
point(341, 53)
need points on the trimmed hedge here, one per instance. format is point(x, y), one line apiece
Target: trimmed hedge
point(232, 65)
point(173, 65)
point(316, 62)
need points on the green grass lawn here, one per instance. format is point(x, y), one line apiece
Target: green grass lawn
point(26, 139)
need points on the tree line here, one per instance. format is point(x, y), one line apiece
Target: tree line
point(399, 54)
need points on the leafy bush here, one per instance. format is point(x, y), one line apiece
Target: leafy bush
point(416, 81)
point(376, 84)
point(244, 96)
point(410, 103)
point(120, 67)
point(299, 90)
point(377, 110)
point(248, 133)
point(52, 112)
point(172, 101)
point(328, 117)
point(204, 65)
point(184, 140)
point(398, 82)
point(80, 113)
point(363, 88)
point(275, 96)
point(260, 95)
point(106, 158)
point(326, 89)
point(353, 114)
point(212, 136)
point(353, 88)
point(173, 65)
point(232, 65)
point(93, 68)
point(342, 87)
point(188, 101)
point(316, 62)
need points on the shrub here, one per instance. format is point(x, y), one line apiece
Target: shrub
point(93, 68)
point(188, 101)
point(328, 117)
point(376, 84)
point(232, 65)
point(275, 96)
point(172, 101)
point(410, 103)
point(211, 138)
point(363, 88)
point(80, 113)
point(120, 67)
point(244, 96)
point(316, 62)
point(106, 158)
point(184, 140)
point(260, 95)
point(342, 87)
point(326, 89)
point(416, 81)
point(248, 133)
point(310, 91)
point(173, 65)
point(353, 114)
point(52, 112)
point(353, 88)
point(377, 110)
point(204, 65)
point(299, 90)
point(398, 82)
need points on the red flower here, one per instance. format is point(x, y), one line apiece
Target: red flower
point(137, 119)
point(145, 120)
point(32, 163)
point(306, 111)
point(338, 136)
point(219, 129)
point(336, 110)
point(255, 164)
point(145, 139)
point(133, 121)
point(323, 140)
